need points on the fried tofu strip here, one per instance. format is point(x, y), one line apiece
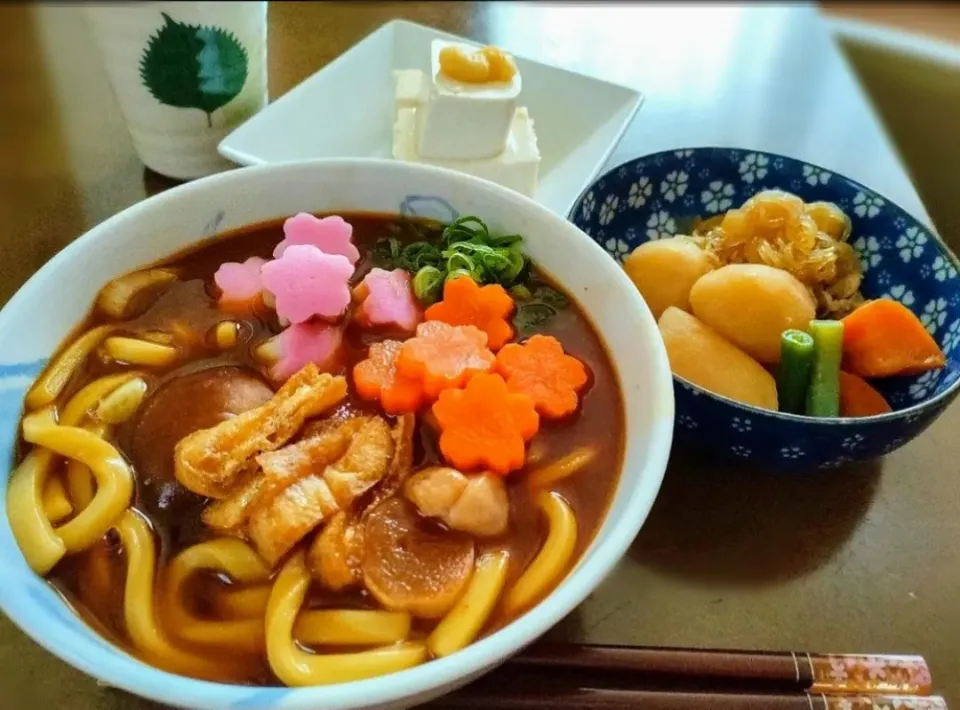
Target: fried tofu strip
point(211, 461)
point(229, 515)
point(363, 465)
point(336, 553)
point(402, 463)
point(277, 526)
point(335, 556)
point(276, 470)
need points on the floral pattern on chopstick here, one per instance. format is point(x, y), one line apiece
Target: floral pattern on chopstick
point(899, 675)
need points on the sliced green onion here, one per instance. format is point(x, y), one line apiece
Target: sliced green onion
point(458, 261)
point(793, 376)
point(451, 275)
point(428, 285)
point(515, 266)
point(507, 240)
point(823, 397)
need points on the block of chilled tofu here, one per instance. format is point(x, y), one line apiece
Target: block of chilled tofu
point(412, 88)
point(461, 119)
point(516, 166)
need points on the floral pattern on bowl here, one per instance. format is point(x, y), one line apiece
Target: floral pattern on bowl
point(661, 195)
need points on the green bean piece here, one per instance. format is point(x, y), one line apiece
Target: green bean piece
point(793, 376)
point(823, 397)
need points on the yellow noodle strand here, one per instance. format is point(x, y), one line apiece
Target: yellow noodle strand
point(41, 546)
point(134, 351)
point(296, 667)
point(552, 560)
point(139, 608)
point(242, 603)
point(462, 623)
point(51, 383)
point(117, 296)
point(118, 406)
point(234, 558)
point(562, 468)
point(81, 484)
point(114, 477)
point(87, 399)
point(351, 627)
point(56, 505)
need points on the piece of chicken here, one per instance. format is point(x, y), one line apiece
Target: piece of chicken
point(277, 526)
point(407, 566)
point(211, 462)
point(185, 404)
point(475, 503)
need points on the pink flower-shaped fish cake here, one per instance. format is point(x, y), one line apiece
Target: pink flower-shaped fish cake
point(387, 299)
point(240, 283)
point(306, 282)
point(301, 343)
point(331, 235)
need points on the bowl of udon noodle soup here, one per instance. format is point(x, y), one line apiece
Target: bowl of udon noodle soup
point(336, 434)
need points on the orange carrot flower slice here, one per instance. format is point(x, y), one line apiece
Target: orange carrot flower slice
point(376, 378)
point(541, 370)
point(467, 303)
point(485, 426)
point(442, 356)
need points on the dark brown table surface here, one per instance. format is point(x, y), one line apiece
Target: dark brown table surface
point(856, 560)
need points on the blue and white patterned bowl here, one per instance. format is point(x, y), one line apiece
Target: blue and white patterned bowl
point(658, 195)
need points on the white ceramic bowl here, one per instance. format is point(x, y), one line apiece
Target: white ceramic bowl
point(57, 298)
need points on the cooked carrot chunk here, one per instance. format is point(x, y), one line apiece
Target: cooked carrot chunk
point(465, 302)
point(442, 356)
point(485, 426)
point(883, 338)
point(376, 378)
point(858, 398)
point(541, 370)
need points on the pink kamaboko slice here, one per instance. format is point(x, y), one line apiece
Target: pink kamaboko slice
point(331, 235)
point(240, 283)
point(386, 298)
point(306, 282)
point(300, 344)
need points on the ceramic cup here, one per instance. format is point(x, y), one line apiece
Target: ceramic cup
point(185, 74)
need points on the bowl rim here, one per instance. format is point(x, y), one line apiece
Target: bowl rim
point(913, 410)
point(124, 671)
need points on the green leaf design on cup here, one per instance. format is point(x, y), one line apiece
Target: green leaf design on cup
point(193, 66)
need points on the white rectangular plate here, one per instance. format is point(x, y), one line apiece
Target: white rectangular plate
point(345, 110)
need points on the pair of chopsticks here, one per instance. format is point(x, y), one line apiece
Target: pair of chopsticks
point(620, 677)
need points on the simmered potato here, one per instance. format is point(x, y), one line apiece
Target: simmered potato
point(751, 305)
point(700, 355)
point(664, 271)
